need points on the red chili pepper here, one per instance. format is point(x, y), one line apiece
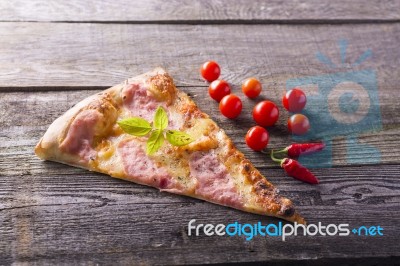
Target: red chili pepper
point(297, 149)
point(294, 169)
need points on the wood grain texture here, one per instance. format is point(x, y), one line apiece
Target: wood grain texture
point(21, 130)
point(52, 213)
point(55, 213)
point(258, 11)
point(51, 54)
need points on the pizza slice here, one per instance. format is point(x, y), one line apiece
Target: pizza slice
point(209, 168)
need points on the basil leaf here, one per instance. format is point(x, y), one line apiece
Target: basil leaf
point(178, 138)
point(135, 126)
point(160, 119)
point(154, 142)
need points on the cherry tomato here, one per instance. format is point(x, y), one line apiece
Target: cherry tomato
point(257, 138)
point(210, 71)
point(230, 106)
point(218, 89)
point(265, 113)
point(251, 87)
point(294, 100)
point(298, 124)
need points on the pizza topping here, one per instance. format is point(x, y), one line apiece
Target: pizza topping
point(138, 101)
point(154, 142)
point(80, 135)
point(139, 166)
point(213, 179)
point(139, 127)
point(178, 138)
point(135, 126)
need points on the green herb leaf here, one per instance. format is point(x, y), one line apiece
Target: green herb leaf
point(160, 119)
point(135, 126)
point(140, 127)
point(154, 142)
point(178, 138)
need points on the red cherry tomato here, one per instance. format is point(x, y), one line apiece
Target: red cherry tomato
point(257, 138)
point(251, 87)
point(210, 71)
point(298, 124)
point(265, 113)
point(230, 106)
point(218, 89)
point(294, 100)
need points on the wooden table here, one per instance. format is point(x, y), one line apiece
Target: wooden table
point(55, 53)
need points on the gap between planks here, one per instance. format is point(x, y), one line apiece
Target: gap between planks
point(297, 22)
point(72, 88)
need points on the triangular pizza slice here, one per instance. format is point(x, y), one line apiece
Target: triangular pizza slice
point(210, 168)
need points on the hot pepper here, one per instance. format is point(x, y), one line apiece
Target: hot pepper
point(297, 149)
point(294, 169)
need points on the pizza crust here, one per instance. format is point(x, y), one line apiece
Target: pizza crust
point(48, 147)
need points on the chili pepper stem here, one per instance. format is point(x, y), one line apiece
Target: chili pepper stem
point(285, 150)
point(275, 159)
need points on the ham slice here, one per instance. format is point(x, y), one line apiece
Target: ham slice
point(139, 102)
point(80, 135)
point(142, 169)
point(213, 180)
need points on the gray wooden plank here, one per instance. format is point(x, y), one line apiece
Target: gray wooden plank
point(25, 116)
point(35, 55)
point(51, 212)
point(260, 11)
